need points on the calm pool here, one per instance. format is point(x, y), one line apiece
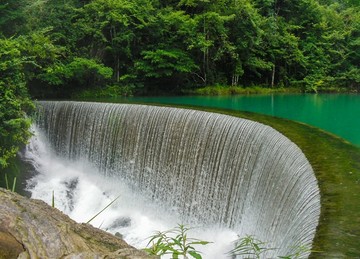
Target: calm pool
point(335, 113)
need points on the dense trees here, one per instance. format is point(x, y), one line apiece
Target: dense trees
point(22, 59)
point(58, 48)
point(171, 45)
point(13, 99)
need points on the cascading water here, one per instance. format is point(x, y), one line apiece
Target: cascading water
point(174, 166)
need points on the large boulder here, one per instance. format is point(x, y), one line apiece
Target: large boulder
point(32, 229)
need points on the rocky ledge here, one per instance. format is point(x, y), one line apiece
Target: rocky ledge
point(32, 229)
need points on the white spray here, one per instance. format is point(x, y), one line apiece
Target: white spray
point(80, 191)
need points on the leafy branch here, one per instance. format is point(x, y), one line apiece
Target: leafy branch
point(249, 246)
point(175, 242)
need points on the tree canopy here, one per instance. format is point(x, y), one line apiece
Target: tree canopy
point(177, 44)
point(59, 48)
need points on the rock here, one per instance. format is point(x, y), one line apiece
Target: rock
point(32, 229)
point(117, 234)
point(9, 246)
point(121, 222)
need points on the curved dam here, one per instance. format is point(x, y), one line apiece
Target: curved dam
point(210, 169)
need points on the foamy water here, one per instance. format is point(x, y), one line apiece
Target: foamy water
point(81, 192)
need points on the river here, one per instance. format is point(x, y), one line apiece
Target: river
point(335, 113)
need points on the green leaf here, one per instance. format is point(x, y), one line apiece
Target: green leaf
point(14, 185)
point(195, 255)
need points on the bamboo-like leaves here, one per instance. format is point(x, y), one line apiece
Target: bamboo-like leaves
point(7, 183)
point(249, 246)
point(175, 242)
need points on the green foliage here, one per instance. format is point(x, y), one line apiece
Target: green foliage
point(21, 60)
point(111, 48)
point(14, 185)
point(7, 183)
point(82, 70)
point(39, 51)
point(238, 90)
point(14, 101)
point(111, 31)
point(110, 91)
point(250, 247)
point(11, 16)
point(165, 63)
point(175, 242)
point(172, 45)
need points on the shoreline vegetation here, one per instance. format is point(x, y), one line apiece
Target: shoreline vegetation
point(238, 90)
point(217, 90)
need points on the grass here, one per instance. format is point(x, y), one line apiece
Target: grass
point(7, 183)
point(12, 172)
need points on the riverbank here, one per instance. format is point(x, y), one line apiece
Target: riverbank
point(116, 91)
point(239, 90)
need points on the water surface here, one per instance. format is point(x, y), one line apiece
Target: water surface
point(335, 113)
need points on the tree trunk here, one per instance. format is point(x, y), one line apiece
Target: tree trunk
point(235, 80)
point(117, 69)
point(205, 55)
point(273, 76)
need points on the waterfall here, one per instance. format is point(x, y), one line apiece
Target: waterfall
point(207, 168)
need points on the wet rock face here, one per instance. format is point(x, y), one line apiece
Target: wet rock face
point(32, 229)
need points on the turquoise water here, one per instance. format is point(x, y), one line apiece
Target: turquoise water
point(335, 113)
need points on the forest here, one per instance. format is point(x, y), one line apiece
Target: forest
point(69, 48)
